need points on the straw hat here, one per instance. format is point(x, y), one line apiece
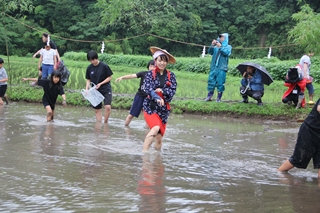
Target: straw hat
point(154, 49)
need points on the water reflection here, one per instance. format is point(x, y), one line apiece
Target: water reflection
point(150, 186)
point(101, 128)
point(207, 165)
point(303, 192)
point(49, 144)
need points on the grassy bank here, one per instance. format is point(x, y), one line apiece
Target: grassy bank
point(189, 97)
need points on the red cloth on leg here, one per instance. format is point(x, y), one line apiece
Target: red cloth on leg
point(154, 120)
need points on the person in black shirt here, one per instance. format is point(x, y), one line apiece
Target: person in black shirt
point(52, 88)
point(137, 103)
point(100, 74)
point(308, 143)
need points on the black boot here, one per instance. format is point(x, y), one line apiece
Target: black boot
point(259, 102)
point(219, 96)
point(209, 97)
point(245, 99)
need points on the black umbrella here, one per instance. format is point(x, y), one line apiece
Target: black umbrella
point(266, 77)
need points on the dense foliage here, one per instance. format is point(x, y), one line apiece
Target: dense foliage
point(80, 25)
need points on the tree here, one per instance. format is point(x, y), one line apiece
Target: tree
point(16, 5)
point(306, 33)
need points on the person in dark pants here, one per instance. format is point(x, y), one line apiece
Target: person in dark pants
point(308, 143)
point(296, 84)
point(252, 86)
point(136, 106)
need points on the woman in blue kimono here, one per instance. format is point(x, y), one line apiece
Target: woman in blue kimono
point(160, 85)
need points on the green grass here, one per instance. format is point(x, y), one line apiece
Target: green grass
point(189, 97)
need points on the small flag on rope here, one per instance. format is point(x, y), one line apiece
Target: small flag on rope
point(102, 47)
point(203, 51)
point(269, 54)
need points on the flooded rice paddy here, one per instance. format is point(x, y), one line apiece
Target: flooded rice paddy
point(208, 164)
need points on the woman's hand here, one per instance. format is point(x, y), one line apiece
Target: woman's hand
point(159, 90)
point(64, 103)
point(160, 102)
point(118, 79)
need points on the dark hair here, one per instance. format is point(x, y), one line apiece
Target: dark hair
point(163, 57)
point(1, 61)
point(45, 35)
point(91, 55)
point(151, 62)
point(57, 74)
point(293, 75)
point(46, 44)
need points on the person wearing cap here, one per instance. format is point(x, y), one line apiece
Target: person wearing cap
point(160, 86)
point(220, 51)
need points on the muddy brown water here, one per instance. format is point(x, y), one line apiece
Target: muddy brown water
point(208, 164)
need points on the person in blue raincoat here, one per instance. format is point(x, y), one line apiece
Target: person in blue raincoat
point(251, 85)
point(220, 51)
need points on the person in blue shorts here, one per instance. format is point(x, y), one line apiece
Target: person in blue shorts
point(308, 143)
point(136, 106)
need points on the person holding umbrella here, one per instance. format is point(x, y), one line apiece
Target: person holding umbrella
point(254, 77)
point(251, 85)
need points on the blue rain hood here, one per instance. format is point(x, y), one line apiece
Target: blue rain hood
point(226, 39)
point(220, 56)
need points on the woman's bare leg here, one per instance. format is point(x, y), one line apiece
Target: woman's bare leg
point(149, 138)
point(107, 112)
point(49, 113)
point(158, 143)
point(286, 166)
point(128, 120)
point(98, 115)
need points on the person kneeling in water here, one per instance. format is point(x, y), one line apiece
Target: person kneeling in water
point(308, 143)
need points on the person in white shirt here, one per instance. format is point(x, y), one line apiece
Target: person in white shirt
point(47, 60)
point(305, 64)
point(3, 82)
